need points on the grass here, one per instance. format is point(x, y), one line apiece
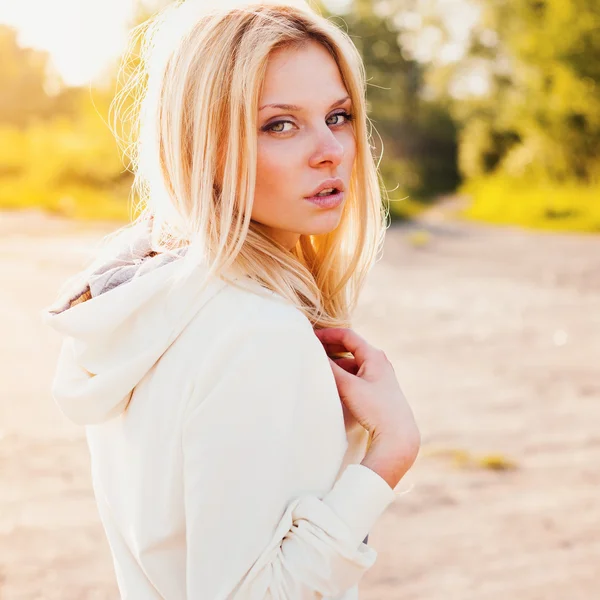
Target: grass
point(77, 202)
point(419, 238)
point(546, 206)
point(66, 167)
point(464, 459)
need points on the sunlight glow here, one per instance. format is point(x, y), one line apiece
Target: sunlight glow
point(84, 37)
point(81, 36)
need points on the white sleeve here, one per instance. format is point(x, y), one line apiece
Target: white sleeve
point(265, 517)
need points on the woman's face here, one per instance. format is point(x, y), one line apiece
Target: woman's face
point(302, 145)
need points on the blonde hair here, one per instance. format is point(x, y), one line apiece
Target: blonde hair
point(188, 118)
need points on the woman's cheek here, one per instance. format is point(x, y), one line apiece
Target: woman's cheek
point(349, 143)
point(278, 163)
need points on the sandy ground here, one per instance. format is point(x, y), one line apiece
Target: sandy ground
point(495, 337)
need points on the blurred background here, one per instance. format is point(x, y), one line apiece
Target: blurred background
point(486, 298)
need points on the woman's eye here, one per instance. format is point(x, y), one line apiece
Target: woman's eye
point(278, 126)
point(347, 117)
point(272, 126)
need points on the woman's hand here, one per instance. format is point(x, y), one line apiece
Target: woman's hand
point(368, 387)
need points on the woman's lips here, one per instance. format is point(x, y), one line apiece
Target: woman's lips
point(331, 201)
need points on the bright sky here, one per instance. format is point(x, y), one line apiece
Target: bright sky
point(82, 36)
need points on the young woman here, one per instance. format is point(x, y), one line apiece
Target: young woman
point(243, 438)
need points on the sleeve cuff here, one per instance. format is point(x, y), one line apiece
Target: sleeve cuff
point(359, 497)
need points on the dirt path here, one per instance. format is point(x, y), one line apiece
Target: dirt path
point(495, 336)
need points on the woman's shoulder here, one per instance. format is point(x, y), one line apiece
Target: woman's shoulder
point(244, 313)
point(248, 305)
point(247, 335)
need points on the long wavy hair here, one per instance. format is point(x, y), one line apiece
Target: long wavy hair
point(187, 118)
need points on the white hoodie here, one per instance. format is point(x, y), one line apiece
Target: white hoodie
point(222, 464)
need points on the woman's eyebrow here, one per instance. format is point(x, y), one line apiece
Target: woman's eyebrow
point(294, 107)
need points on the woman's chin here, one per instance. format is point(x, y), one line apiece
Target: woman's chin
point(324, 223)
point(321, 224)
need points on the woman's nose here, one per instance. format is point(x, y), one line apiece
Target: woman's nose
point(328, 149)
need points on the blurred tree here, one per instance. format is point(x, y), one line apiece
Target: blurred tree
point(523, 85)
point(541, 118)
point(31, 89)
point(23, 74)
point(417, 133)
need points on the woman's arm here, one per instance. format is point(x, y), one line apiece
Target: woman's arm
point(265, 517)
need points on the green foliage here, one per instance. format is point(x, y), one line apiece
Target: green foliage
point(546, 205)
point(531, 147)
point(52, 168)
point(64, 165)
point(56, 151)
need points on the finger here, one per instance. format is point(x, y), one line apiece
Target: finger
point(331, 348)
point(335, 349)
point(348, 338)
point(348, 364)
point(341, 376)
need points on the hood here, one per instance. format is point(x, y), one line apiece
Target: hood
point(117, 324)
